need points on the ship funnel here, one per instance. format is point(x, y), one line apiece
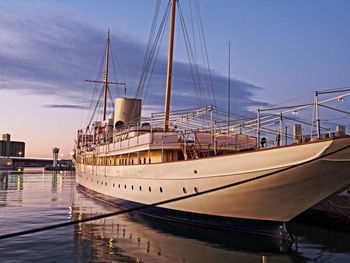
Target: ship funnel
point(127, 112)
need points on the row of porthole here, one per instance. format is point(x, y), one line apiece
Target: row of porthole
point(149, 188)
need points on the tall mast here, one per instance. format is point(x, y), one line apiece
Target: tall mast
point(170, 65)
point(229, 88)
point(106, 81)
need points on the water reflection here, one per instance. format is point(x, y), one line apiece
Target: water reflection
point(46, 198)
point(135, 237)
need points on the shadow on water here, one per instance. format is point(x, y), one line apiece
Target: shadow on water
point(226, 239)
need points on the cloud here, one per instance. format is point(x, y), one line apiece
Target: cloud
point(65, 106)
point(48, 51)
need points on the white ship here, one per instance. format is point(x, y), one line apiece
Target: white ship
point(238, 184)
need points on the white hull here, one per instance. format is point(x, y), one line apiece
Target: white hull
point(297, 177)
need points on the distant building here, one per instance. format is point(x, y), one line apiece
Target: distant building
point(11, 148)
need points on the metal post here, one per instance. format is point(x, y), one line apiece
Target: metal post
point(286, 137)
point(317, 117)
point(281, 128)
point(258, 130)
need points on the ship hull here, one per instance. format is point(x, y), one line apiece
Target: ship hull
point(255, 191)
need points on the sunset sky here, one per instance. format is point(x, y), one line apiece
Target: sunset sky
point(279, 50)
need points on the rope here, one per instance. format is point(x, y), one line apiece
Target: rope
point(339, 210)
point(54, 226)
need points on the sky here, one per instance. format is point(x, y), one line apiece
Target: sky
point(279, 50)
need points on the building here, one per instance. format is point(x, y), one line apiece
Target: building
point(11, 148)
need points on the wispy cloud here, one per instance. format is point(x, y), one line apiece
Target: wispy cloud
point(48, 52)
point(65, 106)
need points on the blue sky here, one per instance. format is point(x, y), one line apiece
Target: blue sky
point(279, 50)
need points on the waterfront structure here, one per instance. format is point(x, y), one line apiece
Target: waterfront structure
point(197, 153)
point(10, 148)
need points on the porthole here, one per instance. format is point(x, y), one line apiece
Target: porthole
point(140, 188)
point(196, 190)
point(106, 184)
point(132, 187)
point(124, 186)
point(161, 189)
point(184, 189)
point(113, 184)
point(149, 189)
point(101, 183)
point(118, 185)
point(195, 171)
point(97, 181)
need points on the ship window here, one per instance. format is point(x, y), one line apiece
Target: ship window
point(118, 124)
point(132, 187)
point(195, 171)
point(161, 189)
point(113, 184)
point(118, 185)
point(196, 190)
point(124, 186)
point(105, 183)
point(140, 188)
point(149, 189)
point(101, 182)
point(97, 181)
point(184, 189)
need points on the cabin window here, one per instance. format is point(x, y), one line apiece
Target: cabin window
point(161, 189)
point(132, 187)
point(124, 186)
point(184, 190)
point(113, 184)
point(118, 185)
point(196, 190)
point(149, 189)
point(140, 188)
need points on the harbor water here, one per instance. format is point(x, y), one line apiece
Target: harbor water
point(34, 198)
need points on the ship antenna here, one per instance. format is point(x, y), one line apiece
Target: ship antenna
point(170, 65)
point(106, 80)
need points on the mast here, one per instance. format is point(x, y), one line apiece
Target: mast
point(229, 88)
point(170, 65)
point(106, 81)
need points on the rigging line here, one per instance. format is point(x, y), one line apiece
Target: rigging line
point(98, 102)
point(110, 98)
point(150, 40)
point(156, 56)
point(193, 69)
point(192, 60)
point(54, 226)
point(114, 69)
point(95, 90)
point(201, 48)
point(206, 51)
point(153, 42)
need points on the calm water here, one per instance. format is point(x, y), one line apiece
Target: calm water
point(33, 198)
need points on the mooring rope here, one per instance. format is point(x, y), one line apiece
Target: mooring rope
point(54, 226)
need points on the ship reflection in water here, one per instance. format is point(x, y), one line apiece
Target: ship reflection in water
point(32, 198)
